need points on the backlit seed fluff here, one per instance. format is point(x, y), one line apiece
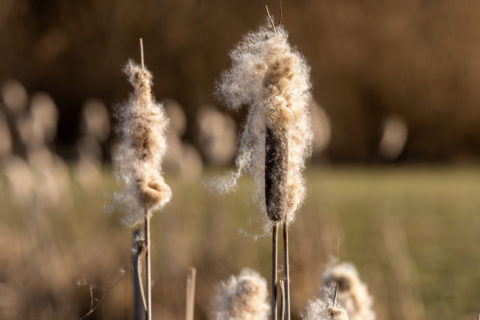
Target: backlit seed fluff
point(272, 79)
point(138, 159)
point(326, 307)
point(242, 298)
point(321, 310)
point(352, 292)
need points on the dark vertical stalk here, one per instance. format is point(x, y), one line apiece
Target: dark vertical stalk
point(138, 297)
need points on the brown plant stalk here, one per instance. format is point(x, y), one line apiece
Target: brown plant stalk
point(148, 272)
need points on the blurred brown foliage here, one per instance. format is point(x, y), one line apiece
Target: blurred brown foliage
point(418, 59)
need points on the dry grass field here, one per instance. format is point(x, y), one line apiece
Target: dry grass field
point(412, 232)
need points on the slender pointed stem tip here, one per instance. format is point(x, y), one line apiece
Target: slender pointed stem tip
point(271, 19)
point(141, 54)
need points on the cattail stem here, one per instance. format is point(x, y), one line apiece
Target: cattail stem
point(274, 270)
point(286, 264)
point(148, 273)
point(141, 54)
point(189, 309)
point(282, 301)
point(138, 296)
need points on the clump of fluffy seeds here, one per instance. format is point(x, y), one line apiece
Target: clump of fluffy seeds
point(138, 159)
point(321, 310)
point(352, 292)
point(326, 307)
point(242, 298)
point(272, 79)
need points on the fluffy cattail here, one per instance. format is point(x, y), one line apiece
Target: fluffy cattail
point(352, 292)
point(321, 310)
point(272, 79)
point(14, 96)
point(138, 159)
point(242, 298)
point(216, 136)
point(6, 144)
point(326, 307)
point(95, 120)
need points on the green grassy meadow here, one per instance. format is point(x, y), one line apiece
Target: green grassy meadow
point(412, 232)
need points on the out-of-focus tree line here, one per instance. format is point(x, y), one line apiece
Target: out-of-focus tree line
point(401, 73)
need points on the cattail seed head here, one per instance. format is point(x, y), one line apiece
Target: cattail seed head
point(320, 310)
point(276, 166)
point(242, 298)
point(352, 292)
point(138, 159)
point(272, 79)
point(326, 307)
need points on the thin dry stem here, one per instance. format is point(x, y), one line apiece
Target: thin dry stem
point(189, 308)
point(282, 300)
point(271, 19)
point(281, 13)
point(286, 263)
point(148, 273)
point(274, 269)
point(141, 54)
point(335, 294)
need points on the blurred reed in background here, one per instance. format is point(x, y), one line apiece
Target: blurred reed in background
point(52, 258)
point(414, 60)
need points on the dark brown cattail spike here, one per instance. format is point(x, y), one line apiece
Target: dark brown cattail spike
point(276, 167)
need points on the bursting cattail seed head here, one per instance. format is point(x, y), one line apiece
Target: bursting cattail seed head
point(321, 310)
point(138, 159)
point(242, 298)
point(352, 292)
point(326, 307)
point(272, 79)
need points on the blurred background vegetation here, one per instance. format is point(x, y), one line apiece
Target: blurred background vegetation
point(417, 59)
point(394, 82)
point(411, 232)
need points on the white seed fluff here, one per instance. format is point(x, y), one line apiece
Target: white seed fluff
point(352, 292)
point(272, 80)
point(242, 298)
point(321, 310)
point(326, 307)
point(138, 159)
